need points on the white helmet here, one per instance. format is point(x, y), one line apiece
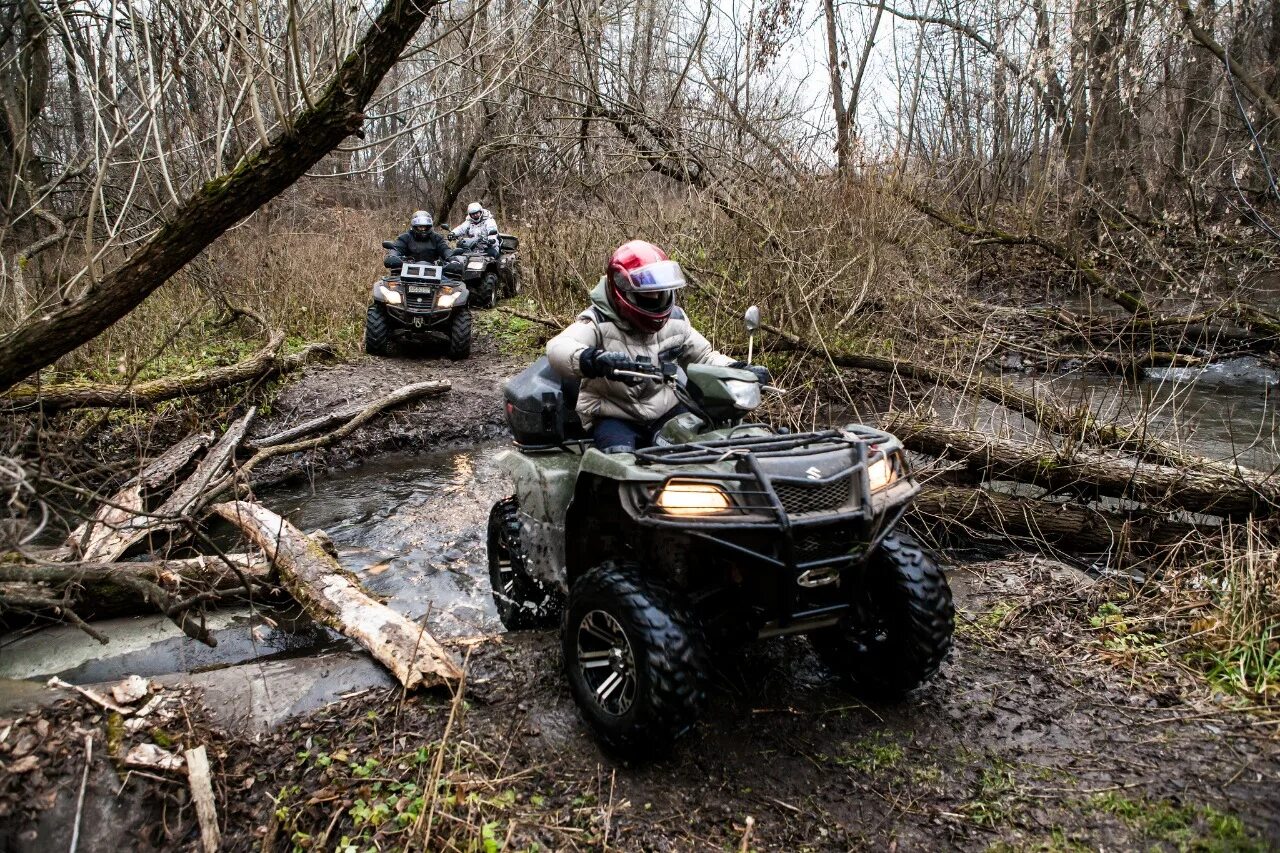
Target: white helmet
point(421, 219)
point(475, 211)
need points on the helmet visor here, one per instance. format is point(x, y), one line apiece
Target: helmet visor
point(654, 278)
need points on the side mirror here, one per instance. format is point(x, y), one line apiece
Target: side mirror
point(387, 244)
point(444, 225)
point(752, 319)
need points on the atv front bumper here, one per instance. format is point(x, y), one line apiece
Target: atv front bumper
point(418, 320)
point(804, 533)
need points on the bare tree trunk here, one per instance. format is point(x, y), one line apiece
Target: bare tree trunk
point(837, 87)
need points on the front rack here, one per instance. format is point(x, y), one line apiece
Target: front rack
point(760, 446)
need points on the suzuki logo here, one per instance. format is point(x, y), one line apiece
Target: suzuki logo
point(813, 474)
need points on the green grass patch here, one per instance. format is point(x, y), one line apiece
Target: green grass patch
point(514, 335)
point(872, 754)
point(1191, 827)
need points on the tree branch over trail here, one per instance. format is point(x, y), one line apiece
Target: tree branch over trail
point(220, 203)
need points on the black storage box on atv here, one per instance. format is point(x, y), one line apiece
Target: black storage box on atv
point(540, 407)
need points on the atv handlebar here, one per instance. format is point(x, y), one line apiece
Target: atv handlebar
point(655, 374)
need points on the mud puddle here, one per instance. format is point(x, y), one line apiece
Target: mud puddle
point(411, 526)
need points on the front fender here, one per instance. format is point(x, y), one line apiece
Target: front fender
point(544, 487)
point(384, 295)
point(544, 483)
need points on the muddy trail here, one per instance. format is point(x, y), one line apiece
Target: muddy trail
point(1052, 726)
point(470, 413)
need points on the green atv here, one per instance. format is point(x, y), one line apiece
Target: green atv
point(722, 533)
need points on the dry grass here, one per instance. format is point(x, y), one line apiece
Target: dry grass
point(304, 269)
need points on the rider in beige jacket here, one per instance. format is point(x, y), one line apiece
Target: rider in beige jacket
point(632, 317)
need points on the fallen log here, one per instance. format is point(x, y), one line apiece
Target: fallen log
point(111, 589)
point(371, 410)
point(183, 503)
point(399, 397)
point(1075, 423)
point(334, 597)
point(265, 364)
point(549, 322)
point(327, 421)
point(91, 536)
point(1073, 527)
point(1091, 472)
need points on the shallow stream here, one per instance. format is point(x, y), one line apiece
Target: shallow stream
point(412, 527)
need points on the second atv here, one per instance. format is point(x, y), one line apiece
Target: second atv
point(417, 304)
point(487, 277)
point(722, 533)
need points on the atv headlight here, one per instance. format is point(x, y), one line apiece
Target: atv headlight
point(476, 264)
point(393, 297)
point(447, 297)
point(880, 473)
point(677, 498)
point(745, 395)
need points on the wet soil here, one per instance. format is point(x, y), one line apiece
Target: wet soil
point(1033, 736)
point(470, 413)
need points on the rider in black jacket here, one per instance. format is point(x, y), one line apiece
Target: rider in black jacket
point(420, 244)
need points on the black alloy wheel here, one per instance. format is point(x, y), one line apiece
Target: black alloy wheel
point(635, 659)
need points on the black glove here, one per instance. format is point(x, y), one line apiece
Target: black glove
point(596, 363)
point(393, 261)
point(762, 373)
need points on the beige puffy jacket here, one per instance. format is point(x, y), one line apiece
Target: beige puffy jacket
point(599, 326)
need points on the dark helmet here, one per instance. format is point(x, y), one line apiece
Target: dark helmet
point(420, 224)
point(641, 285)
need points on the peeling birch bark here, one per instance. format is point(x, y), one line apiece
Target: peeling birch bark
point(334, 597)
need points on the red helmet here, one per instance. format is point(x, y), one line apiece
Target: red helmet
point(641, 285)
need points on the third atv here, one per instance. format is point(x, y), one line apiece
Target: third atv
point(723, 533)
point(489, 278)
